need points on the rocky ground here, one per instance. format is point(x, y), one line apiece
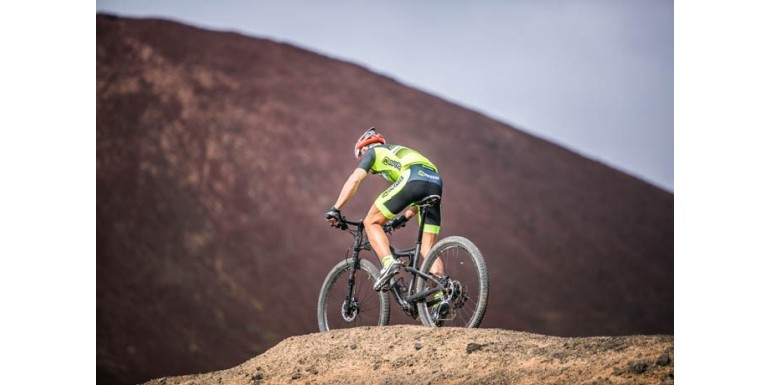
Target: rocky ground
point(418, 355)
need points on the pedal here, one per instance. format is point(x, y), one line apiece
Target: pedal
point(441, 313)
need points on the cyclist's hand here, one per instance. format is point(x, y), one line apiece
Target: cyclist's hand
point(394, 223)
point(333, 216)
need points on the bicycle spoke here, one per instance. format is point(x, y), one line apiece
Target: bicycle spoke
point(462, 269)
point(368, 308)
point(466, 274)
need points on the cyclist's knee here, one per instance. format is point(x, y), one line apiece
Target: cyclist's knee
point(374, 219)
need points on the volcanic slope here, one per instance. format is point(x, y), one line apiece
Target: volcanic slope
point(218, 153)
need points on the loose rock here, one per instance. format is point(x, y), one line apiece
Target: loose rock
point(637, 367)
point(418, 346)
point(472, 347)
point(663, 360)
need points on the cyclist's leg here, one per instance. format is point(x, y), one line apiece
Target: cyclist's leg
point(428, 240)
point(386, 206)
point(439, 308)
point(428, 182)
point(430, 234)
point(373, 226)
point(406, 190)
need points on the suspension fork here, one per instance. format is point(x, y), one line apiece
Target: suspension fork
point(357, 245)
point(352, 277)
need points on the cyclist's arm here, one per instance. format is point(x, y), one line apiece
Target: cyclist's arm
point(350, 187)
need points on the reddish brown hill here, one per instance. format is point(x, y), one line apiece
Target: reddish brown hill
point(218, 153)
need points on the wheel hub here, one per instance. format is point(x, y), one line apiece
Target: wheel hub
point(349, 310)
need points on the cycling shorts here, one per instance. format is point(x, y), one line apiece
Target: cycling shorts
point(414, 184)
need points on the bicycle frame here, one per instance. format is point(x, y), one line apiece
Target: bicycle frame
point(361, 243)
point(407, 303)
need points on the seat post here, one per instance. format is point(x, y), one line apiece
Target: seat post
point(421, 212)
point(418, 244)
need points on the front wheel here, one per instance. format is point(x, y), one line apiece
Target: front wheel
point(365, 308)
point(463, 300)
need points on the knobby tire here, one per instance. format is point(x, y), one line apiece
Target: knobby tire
point(477, 281)
point(334, 291)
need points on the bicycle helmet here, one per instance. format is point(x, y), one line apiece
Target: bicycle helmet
point(368, 139)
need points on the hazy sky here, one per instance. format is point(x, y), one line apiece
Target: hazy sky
point(595, 76)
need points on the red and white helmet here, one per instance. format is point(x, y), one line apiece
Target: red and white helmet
point(368, 139)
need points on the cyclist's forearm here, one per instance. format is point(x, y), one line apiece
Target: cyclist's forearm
point(349, 188)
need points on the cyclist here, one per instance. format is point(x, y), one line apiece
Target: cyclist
point(413, 178)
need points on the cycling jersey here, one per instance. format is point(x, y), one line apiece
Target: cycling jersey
point(390, 161)
point(413, 177)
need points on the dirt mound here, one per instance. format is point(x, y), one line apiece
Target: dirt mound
point(414, 354)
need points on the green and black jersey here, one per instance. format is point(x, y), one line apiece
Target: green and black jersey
point(390, 161)
point(413, 177)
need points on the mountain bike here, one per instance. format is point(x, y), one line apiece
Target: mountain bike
point(458, 298)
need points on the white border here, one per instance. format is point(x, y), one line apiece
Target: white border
point(48, 191)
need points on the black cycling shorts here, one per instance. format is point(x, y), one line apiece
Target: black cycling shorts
point(413, 185)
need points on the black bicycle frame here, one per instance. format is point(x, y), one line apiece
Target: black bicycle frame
point(406, 304)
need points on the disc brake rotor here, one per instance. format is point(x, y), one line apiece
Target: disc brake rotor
point(350, 312)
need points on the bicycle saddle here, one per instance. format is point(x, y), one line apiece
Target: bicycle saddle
point(429, 200)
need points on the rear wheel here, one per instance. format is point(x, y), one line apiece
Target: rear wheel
point(366, 308)
point(463, 301)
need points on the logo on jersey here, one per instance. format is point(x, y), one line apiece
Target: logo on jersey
point(424, 175)
point(391, 163)
point(393, 186)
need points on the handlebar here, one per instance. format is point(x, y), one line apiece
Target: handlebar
point(344, 223)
